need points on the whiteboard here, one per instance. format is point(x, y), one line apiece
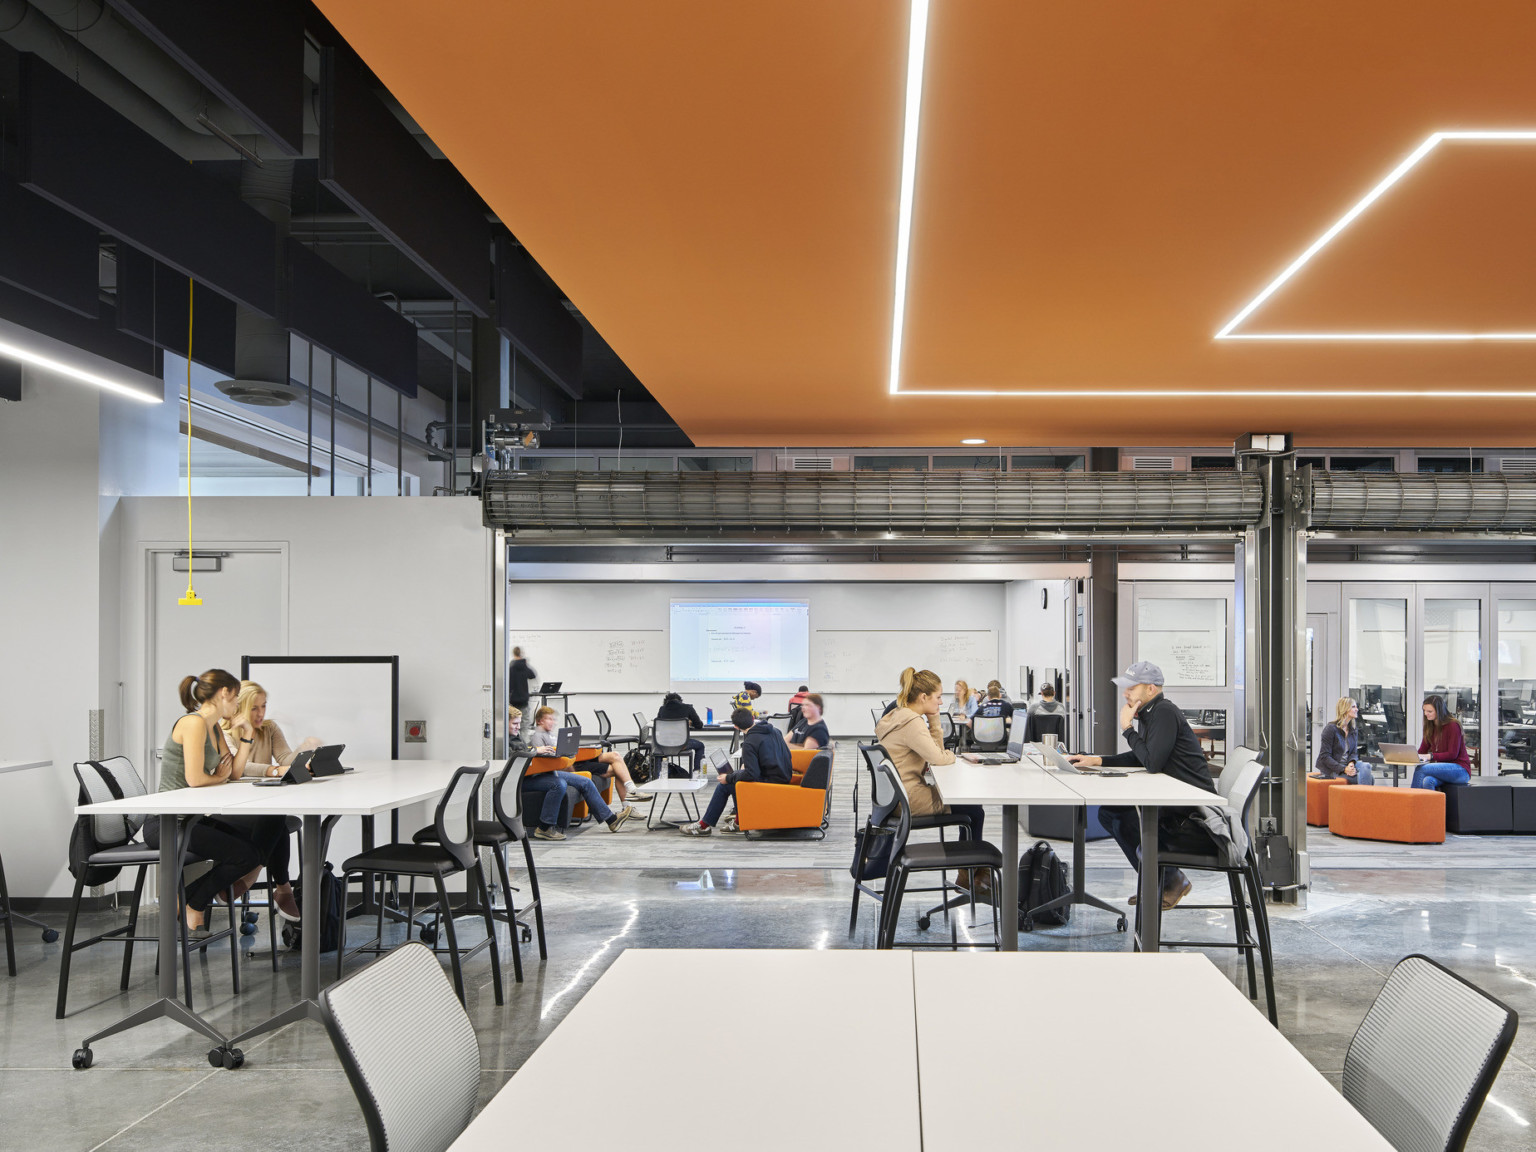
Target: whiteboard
point(1184, 636)
point(870, 660)
point(339, 700)
point(596, 659)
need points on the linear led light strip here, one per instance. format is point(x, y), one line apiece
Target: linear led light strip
point(49, 364)
point(916, 50)
point(1413, 159)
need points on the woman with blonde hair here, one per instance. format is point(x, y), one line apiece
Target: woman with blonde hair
point(966, 701)
point(269, 756)
point(1339, 746)
point(911, 737)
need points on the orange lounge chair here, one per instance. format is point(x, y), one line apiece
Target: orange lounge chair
point(761, 807)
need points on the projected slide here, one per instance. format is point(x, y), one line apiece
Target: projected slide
point(741, 640)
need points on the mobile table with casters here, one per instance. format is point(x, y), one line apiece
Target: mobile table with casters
point(376, 787)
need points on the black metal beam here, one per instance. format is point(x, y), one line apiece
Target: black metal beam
point(344, 318)
point(47, 251)
point(89, 160)
point(535, 319)
point(152, 305)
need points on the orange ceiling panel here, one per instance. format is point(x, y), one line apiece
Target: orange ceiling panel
point(1100, 187)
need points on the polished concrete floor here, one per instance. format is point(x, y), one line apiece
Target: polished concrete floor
point(153, 1089)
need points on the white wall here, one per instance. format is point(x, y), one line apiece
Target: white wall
point(49, 612)
point(1035, 636)
point(873, 605)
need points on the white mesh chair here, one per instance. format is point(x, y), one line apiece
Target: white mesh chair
point(989, 734)
point(1424, 1057)
point(669, 742)
point(408, 1049)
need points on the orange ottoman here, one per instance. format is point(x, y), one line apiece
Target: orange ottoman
point(1403, 815)
point(1317, 798)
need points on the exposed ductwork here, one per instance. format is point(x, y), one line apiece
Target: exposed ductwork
point(872, 504)
point(261, 342)
point(1384, 502)
point(120, 66)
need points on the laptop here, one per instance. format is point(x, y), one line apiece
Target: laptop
point(1399, 753)
point(298, 772)
point(567, 740)
point(549, 688)
point(1014, 754)
point(719, 760)
point(1056, 759)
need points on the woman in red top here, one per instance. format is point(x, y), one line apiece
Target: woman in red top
point(1446, 747)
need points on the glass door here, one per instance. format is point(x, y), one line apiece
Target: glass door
point(1376, 654)
point(1451, 658)
point(1515, 709)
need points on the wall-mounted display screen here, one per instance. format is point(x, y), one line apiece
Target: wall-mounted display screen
point(734, 640)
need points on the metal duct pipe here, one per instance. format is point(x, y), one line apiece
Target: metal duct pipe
point(1382, 502)
point(872, 503)
point(261, 343)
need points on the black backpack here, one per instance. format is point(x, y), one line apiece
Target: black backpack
point(330, 913)
point(83, 842)
point(638, 761)
point(1042, 878)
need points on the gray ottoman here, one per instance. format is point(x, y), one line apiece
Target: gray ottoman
point(1480, 805)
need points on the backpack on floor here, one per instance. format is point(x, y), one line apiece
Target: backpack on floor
point(638, 761)
point(330, 913)
point(1042, 878)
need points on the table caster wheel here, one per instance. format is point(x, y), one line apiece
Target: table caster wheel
point(82, 1058)
point(247, 929)
point(216, 1057)
point(233, 1058)
point(1120, 924)
point(923, 922)
point(429, 935)
point(1026, 925)
point(50, 935)
point(250, 917)
point(527, 936)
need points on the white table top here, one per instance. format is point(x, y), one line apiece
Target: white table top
point(1112, 1051)
point(23, 765)
point(1023, 783)
point(675, 784)
point(1150, 788)
point(802, 1049)
point(374, 788)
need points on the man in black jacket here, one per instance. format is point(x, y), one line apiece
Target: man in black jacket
point(764, 757)
point(673, 707)
point(1161, 740)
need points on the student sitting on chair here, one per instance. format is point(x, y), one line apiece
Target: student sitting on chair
point(1338, 750)
point(1449, 762)
point(551, 783)
point(269, 755)
point(811, 732)
point(605, 764)
point(673, 707)
point(1161, 740)
point(996, 704)
point(747, 697)
point(764, 758)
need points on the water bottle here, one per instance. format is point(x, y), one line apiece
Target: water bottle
point(709, 717)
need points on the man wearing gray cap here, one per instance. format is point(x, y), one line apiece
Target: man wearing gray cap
point(1161, 741)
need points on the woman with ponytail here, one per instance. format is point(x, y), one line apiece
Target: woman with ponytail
point(192, 759)
point(911, 737)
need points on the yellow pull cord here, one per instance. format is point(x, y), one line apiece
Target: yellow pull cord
point(191, 597)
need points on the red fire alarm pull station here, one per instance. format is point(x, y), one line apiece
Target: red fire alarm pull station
point(415, 731)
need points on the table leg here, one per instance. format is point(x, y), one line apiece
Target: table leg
point(166, 1007)
point(1008, 910)
point(1150, 896)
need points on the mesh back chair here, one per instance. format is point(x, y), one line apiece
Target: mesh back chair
point(947, 727)
point(989, 734)
point(450, 852)
point(494, 836)
point(669, 742)
point(408, 1049)
point(605, 731)
point(120, 845)
point(1239, 784)
point(872, 843)
point(940, 856)
point(1042, 724)
point(1423, 1059)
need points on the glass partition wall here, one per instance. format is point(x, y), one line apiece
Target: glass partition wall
point(1377, 628)
point(1515, 627)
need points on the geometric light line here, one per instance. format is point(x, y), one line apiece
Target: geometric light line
point(1411, 161)
point(917, 43)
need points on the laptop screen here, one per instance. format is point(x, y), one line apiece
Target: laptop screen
point(720, 760)
point(567, 741)
point(1016, 749)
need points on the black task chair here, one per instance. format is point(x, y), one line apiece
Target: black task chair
point(1423, 1059)
point(408, 1049)
point(950, 732)
point(1042, 724)
point(494, 836)
point(118, 845)
point(452, 852)
point(874, 842)
point(940, 856)
point(605, 731)
point(1240, 785)
point(989, 734)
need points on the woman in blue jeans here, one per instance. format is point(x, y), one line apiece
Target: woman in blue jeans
point(1446, 747)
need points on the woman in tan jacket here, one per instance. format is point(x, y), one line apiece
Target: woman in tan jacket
point(911, 736)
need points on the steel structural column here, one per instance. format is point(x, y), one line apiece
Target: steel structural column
point(499, 735)
point(1100, 697)
point(1273, 569)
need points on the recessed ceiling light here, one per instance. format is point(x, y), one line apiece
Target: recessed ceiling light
point(973, 441)
point(49, 364)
